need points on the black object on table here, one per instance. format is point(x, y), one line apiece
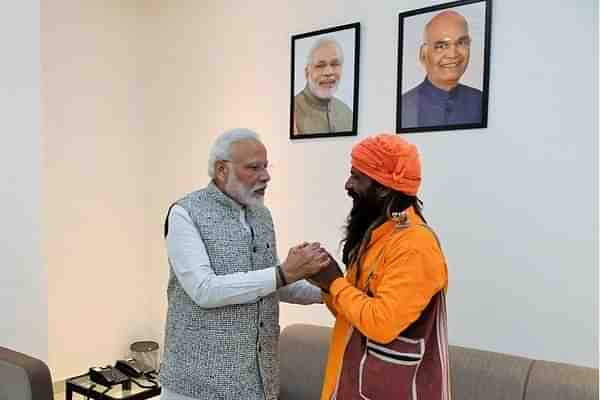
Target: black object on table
point(129, 390)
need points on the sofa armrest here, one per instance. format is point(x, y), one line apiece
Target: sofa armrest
point(23, 377)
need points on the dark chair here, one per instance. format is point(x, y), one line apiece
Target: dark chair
point(23, 377)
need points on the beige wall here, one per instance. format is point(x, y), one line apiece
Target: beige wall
point(95, 183)
point(135, 92)
point(230, 71)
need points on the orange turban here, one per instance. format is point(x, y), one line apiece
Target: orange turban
point(390, 160)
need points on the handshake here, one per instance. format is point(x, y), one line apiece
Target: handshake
point(312, 262)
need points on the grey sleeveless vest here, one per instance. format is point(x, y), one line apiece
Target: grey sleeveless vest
point(230, 352)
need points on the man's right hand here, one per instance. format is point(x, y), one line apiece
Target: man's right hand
point(327, 275)
point(304, 260)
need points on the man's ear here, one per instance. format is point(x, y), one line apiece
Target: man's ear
point(221, 170)
point(422, 54)
point(306, 72)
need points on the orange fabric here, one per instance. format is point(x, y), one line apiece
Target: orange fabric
point(390, 160)
point(410, 272)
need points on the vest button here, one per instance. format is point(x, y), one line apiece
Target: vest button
point(254, 249)
point(259, 349)
point(261, 324)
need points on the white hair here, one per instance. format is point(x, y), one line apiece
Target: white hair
point(221, 148)
point(324, 42)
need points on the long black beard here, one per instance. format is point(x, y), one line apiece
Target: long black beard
point(365, 211)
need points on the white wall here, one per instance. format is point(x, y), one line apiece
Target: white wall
point(23, 276)
point(516, 204)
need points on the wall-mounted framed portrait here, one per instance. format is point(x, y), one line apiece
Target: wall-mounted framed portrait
point(324, 82)
point(444, 67)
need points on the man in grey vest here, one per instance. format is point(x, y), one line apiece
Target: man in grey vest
point(225, 283)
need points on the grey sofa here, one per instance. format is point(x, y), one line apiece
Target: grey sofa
point(475, 374)
point(23, 377)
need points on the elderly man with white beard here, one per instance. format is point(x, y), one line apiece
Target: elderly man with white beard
point(316, 110)
point(225, 281)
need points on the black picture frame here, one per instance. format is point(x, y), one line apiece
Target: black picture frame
point(333, 111)
point(421, 105)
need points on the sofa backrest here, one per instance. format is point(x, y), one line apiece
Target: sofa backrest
point(23, 377)
point(551, 380)
point(303, 354)
point(475, 374)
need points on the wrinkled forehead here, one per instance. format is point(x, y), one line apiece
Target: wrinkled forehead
point(446, 26)
point(326, 52)
point(248, 150)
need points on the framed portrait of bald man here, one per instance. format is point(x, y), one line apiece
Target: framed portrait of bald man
point(443, 67)
point(324, 82)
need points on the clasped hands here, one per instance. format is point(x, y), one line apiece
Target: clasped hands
point(312, 262)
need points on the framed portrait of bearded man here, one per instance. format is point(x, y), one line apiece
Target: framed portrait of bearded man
point(444, 67)
point(324, 82)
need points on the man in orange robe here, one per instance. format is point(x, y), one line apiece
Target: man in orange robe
point(390, 335)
